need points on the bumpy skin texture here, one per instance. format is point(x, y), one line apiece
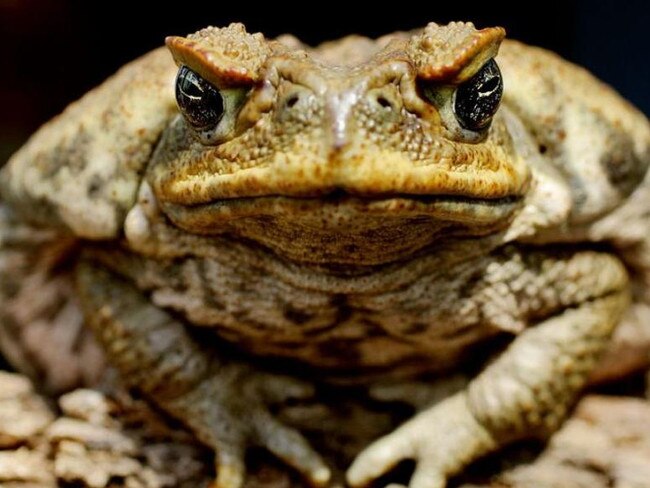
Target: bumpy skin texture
point(340, 217)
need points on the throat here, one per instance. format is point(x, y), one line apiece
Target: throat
point(342, 320)
point(358, 247)
point(343, 230)
point(346, 249)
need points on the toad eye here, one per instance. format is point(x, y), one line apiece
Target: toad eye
point(200, 102)
point(477, 100)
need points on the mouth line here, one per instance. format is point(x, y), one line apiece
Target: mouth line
point(345, 207)
point(343, 197)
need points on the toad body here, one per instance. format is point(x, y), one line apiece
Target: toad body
point(369, 212)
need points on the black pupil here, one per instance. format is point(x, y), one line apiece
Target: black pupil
point(477, 100)
point(199, 101)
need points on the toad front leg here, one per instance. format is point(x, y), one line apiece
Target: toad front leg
point(526, 392)
point(223, 402)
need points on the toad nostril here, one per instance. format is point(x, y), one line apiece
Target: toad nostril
point(292, 100)
point(384, 103)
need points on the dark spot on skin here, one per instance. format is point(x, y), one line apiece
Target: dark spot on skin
point(245, 325)
point(209, 295)
point(291, 345)
point(468, 288)
point(212, 301)
point(178, 285)
point(295, 316)
point(618, 169)
point(580, 195)
point(8, 288)
point(239, 315)
point(257, 326)
point(346, 350)
point(94, 187)
point(623, 168)
point(416, 328)
point(459, 331)
point(371, 328)
point(542, 149)
point(344, 311)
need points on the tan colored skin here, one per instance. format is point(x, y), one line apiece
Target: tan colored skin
point(340, 218)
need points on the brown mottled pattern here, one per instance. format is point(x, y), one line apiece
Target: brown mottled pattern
point(343, 217)
point(102, 142)
point(268, 314)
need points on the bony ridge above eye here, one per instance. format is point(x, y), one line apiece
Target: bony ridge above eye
point(200, 102)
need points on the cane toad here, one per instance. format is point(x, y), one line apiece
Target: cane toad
point(367, 212)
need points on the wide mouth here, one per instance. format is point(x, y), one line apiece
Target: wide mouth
point(339, 209)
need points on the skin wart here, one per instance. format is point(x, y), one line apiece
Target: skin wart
point(368, 211)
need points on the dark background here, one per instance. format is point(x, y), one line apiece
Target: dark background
point(52, 51)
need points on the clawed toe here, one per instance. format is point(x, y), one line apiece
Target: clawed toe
point(441, 440)
point(290, 446)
